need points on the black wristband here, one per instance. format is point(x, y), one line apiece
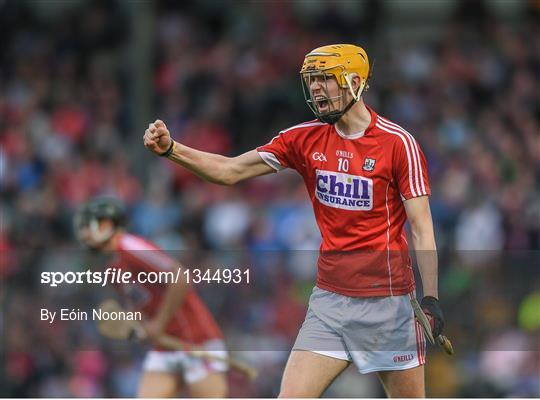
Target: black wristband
point(430, 300)
point(169, 150)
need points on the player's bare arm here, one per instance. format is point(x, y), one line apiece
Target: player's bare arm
point(211, 167)
point(419, 216)
point(174, 294)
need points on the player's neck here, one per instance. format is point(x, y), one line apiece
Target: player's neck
point(356, 120)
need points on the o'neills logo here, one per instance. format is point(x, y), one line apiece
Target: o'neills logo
point(339, 190)
point(403, 358)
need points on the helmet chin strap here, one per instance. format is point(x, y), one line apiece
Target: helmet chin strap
point(334, 116)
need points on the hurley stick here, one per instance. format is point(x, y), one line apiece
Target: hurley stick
point(441, 340)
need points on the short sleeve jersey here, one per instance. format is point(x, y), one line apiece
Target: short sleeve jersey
point(192, 322)
point(357, 185)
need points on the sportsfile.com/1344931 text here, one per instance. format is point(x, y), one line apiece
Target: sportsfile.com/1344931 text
point(114, 275)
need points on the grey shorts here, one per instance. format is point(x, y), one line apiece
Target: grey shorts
point(376, 333)
point(191, 368)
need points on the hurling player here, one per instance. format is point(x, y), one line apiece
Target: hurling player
point(172, 308)
point(366, 176)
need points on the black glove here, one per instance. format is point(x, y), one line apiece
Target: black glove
point(430, 306)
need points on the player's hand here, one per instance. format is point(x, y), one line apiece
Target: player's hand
point(157, 137)
point(431, 307)
point(153, 329)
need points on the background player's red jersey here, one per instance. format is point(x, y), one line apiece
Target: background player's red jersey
point(357, 185)
point(192, 322)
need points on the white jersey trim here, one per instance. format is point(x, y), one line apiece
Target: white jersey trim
point(302, 125)
point(419, 175)
point(413, 156)
point(271, 160)
point(388, 241)
point(411, 185)
point(356, 135)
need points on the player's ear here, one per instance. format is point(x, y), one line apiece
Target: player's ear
point(355, 81)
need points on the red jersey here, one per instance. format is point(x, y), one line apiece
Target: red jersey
point(357, 185)
point(192, 322)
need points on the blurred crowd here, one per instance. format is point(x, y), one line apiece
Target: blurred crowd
point(225, 79)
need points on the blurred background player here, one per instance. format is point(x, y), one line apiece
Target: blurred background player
point(365, 176)
point(172, 308)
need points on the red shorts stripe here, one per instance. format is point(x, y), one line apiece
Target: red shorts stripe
point(420, 343)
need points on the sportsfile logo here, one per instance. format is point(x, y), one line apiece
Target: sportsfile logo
point(348, 192)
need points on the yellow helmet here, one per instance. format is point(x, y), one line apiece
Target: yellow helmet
point(342, 62)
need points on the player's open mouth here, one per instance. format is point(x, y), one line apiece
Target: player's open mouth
point(321, 102)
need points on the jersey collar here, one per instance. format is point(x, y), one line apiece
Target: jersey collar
point(364, 132)
point(349, 137)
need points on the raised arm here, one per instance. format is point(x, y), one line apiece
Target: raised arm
point(214, 168)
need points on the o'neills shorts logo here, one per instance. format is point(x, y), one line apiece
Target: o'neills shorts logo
point(403, 358)
point(339, 190)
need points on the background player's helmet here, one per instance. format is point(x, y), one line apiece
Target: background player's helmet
point(87, 218)
point(341, 62)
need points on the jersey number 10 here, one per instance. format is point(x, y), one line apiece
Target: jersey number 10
point(343, 165)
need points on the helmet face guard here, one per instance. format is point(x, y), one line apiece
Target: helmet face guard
point(81, 224)
point(86, 222)
point(328, 109)
point(88, 232)
point(342, 63)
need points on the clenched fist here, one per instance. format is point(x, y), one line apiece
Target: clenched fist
point(157, 137)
